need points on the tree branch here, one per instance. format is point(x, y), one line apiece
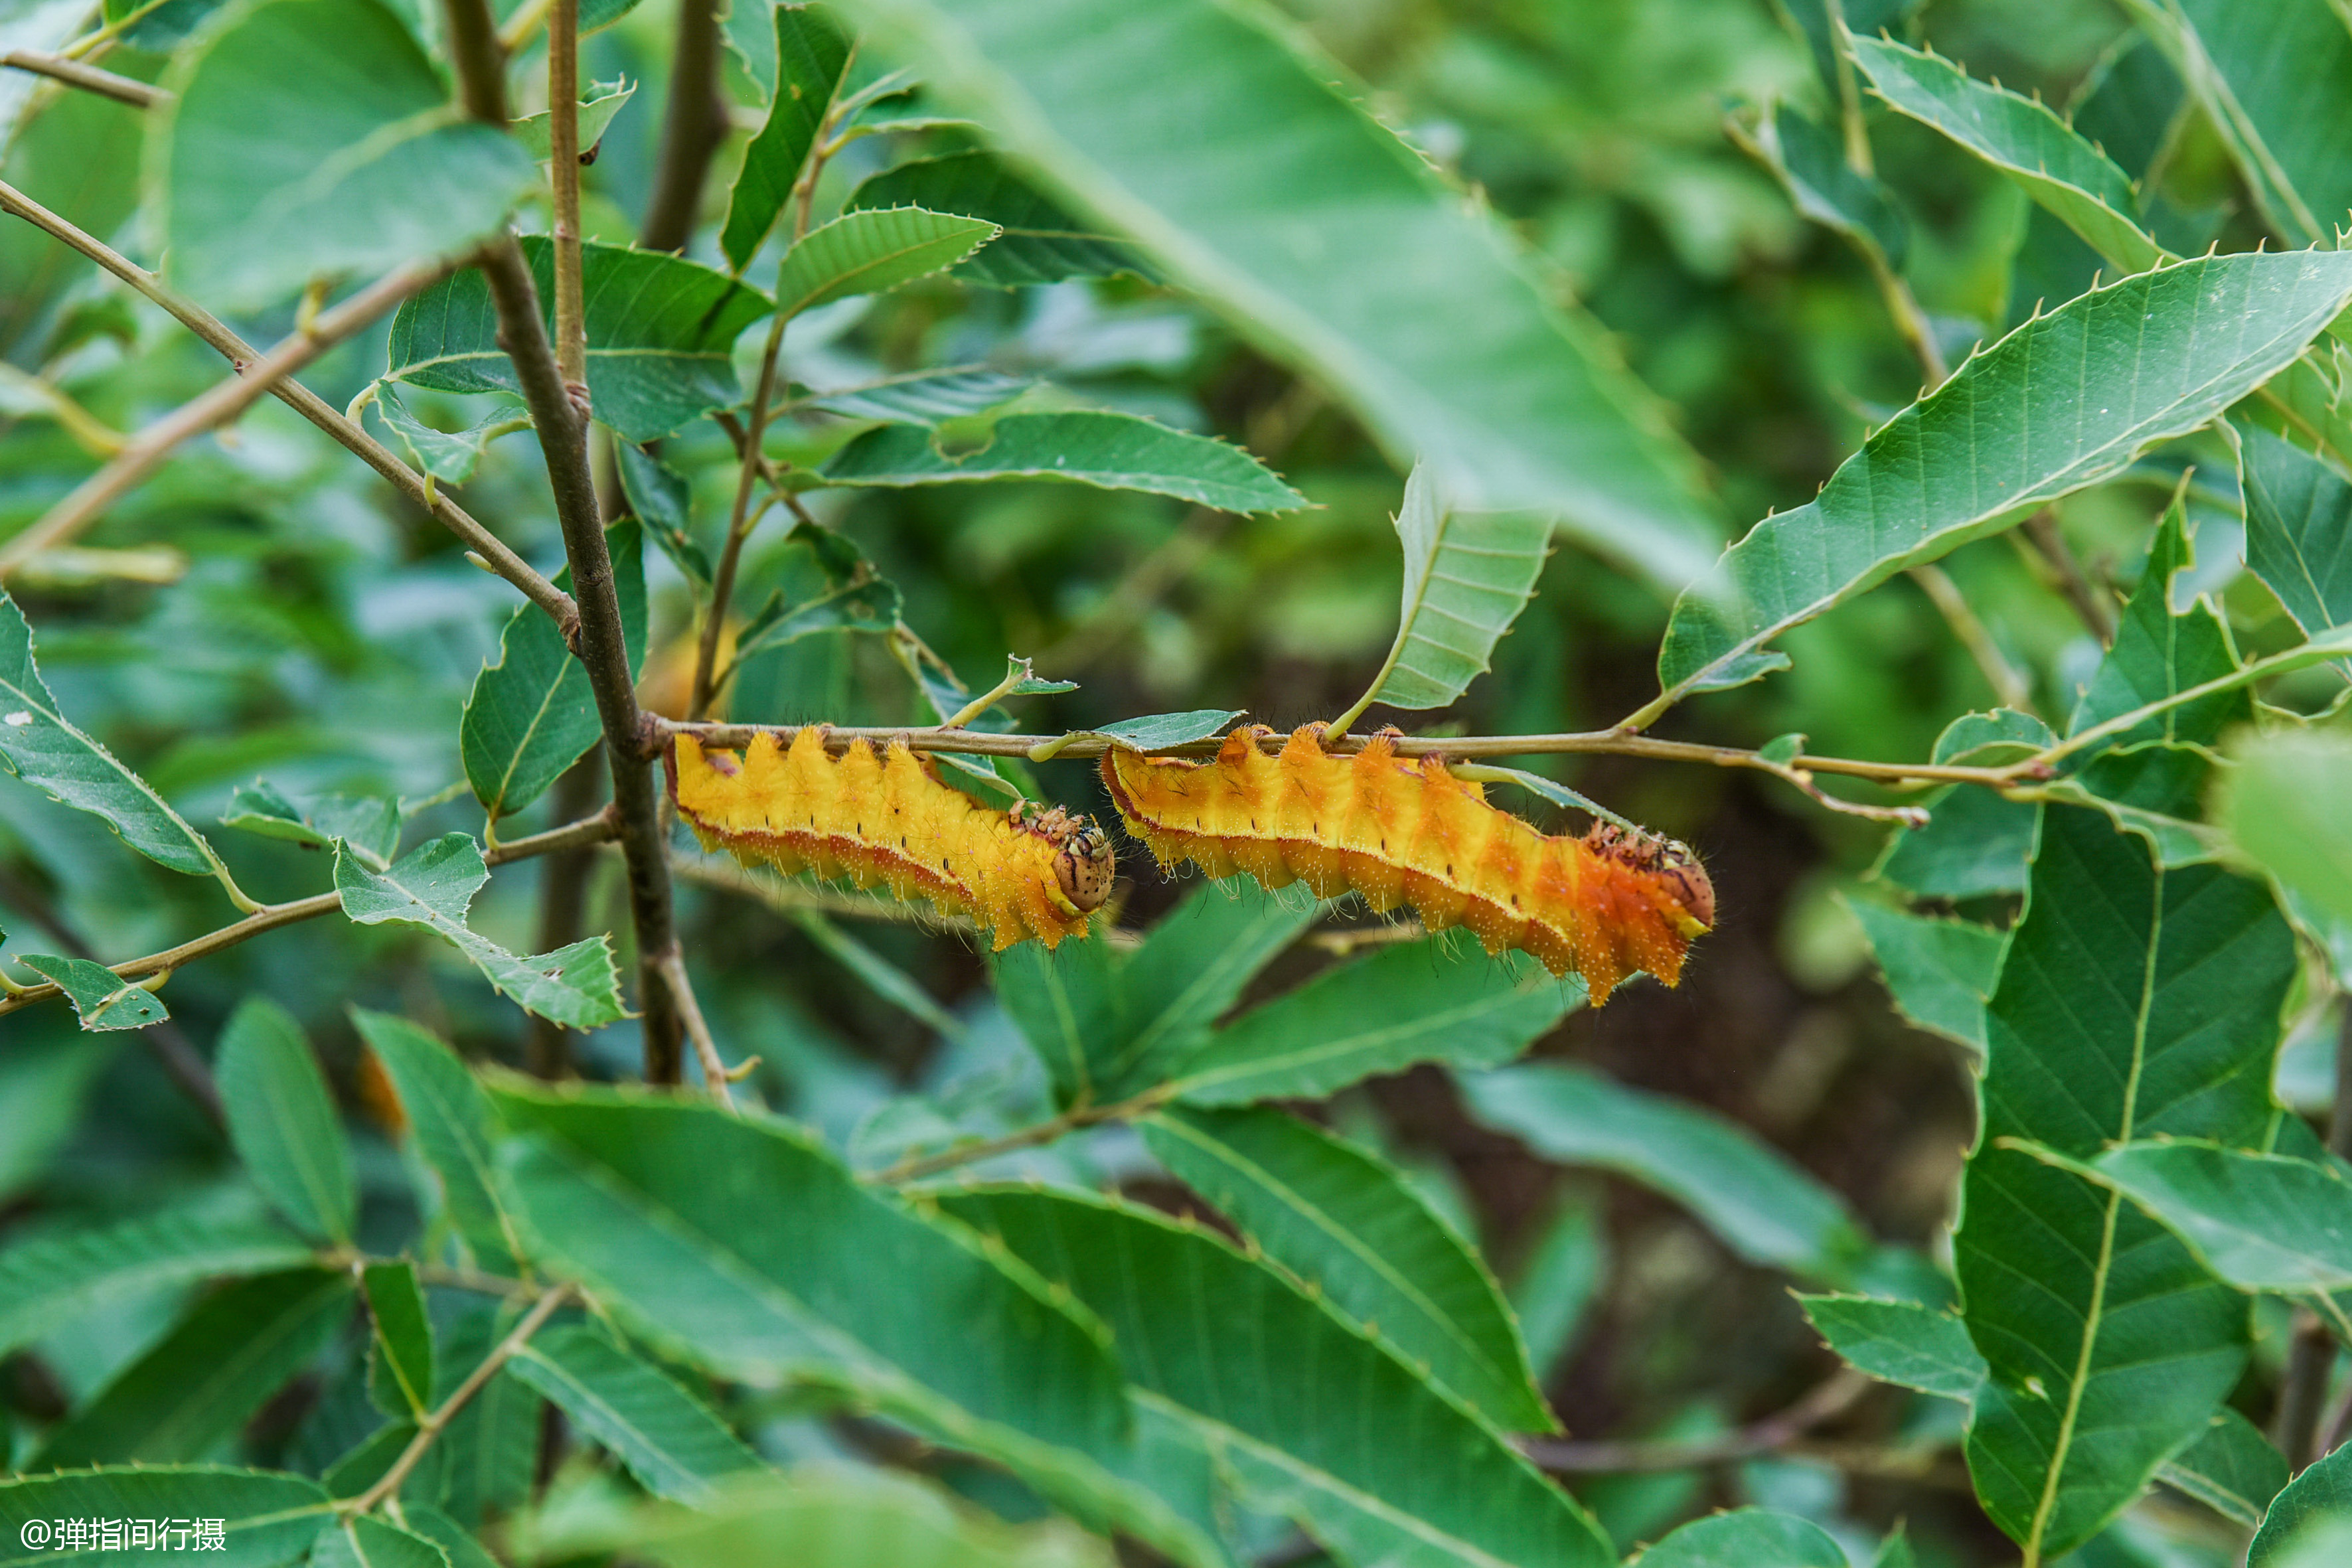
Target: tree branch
point(1823, 1402)
point(223, 404)
point(593, 829)
point(563, 171)
point(492, 551)
point(90, 79)
point(692, 128)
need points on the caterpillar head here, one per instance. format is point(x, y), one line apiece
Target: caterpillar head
point(1670, 860)
point(1083, 866)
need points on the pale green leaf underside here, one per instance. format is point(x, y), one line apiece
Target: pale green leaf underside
point(2233, 1469)
point(871, 252)
point(101, 999)
point(1037, 242)
point(2282, 806)
point(2262, 1222)
point(1110, 451)
point(1900, 1342)
point(1466, 576)
point(2066, 400)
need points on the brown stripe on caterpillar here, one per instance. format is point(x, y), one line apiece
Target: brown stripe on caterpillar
point(1401, 832)
point(888, 821)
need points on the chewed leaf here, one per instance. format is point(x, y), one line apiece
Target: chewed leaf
point(1110, 451)
point(449, 455)
point(432, 886)
point(1159, 731)
point(604, 99)
point(103, 999)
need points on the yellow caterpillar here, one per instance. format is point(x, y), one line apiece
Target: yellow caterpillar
point(1398, 832)
point(888, 821)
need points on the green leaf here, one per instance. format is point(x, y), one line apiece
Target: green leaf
point(1938, 972)
point(1747, 1538)
point(450, 456)
point(1759, 1204)
point(41, 746)
point(533, 714)
point(1162, 731)
point(205, 1378)
point(2076, 181)
point(811, 56)
point(2273, 81)
point(2065, 400)
point(925, 397)
point(404, 1339)
point(484, 1462)
point(452, 1127)
point(1347, 1224)
point(2282, 806)
point(854, 598)
point(267, 1520)
point(661, 499)
point(430, 886)
point(1975, 843)
point(101, 998)
point(1107, 1026)
point(1037, 241)
point(314, 138)
point(1810, 165)
point(1283, 1391)
point(2323, 1492)
point(79, 157)
point(1257, 182)
point(1900, 1342)
point(2233, 1469)
point(670, 1440)
point(2262, 1222)
point(1992, 738)
point(2298, 530)
point(2133, 1001)
point(872, 253)
point(55, 1278)
point(595, 112)
point(369, 824)
point(446, 1534)
point(882, 977)
point(1108, 451)
point(364, 1540)
point(1466, 577)
point(1415, 1001)
point(1559, 1282)
point(283, 1124)
point(667, 1211)
point(661, 334)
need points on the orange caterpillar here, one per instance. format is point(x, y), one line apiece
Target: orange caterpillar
point(888, 821)
point(1400, 833)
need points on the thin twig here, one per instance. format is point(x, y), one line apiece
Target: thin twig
point(692, 128)
point(2049, 545)
point(90, 79)
point(430, 1425)
point(916, 1166)
point(594, 829)
point(750, 464)
point(2009, 686)
point(706, 1049)
point(90, 500)
point(1823, 1402)
point(492, 551)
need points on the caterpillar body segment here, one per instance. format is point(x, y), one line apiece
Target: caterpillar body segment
point(1401, 832)
point(886, 820)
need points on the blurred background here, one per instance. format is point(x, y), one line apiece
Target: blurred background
point(282, 614)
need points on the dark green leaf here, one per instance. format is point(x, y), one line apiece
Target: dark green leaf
point(1975, 843)
point(1810, 165)
point(483, 1462)
point(1037, 242)
point(661, 335)
point(2065, 401)
point(364, 1540)
point(1283, 1391)
point(1938, 972)
point(283, 1122)
point(267, 1520)
point(101, 998)
point(1413, 1003)
point(669, 1440)
point(2298, 530)
point(1758, 1203)
point(533, 714)
point(54, 1278)
point(1347, 1224)
point(404, 1339)
point(923, 398)
point(2323, 1491)
point(313, 138)
point(2133, 1001)
point(201, 1382)
point(1254, 179)
point(662, 500)
point(446, 1534)
point(431, 887)
point(452, 1127)
point(854, 599)
point(369, 824)
point(1900, 1342)
point(2262, 1222)
point(41, 746)
point(2231, 1469)
point(872, 253)
point(2274, 81)
point(450, 456)
point(1108, 451)
point(811, 56)
point(1747, 1538)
